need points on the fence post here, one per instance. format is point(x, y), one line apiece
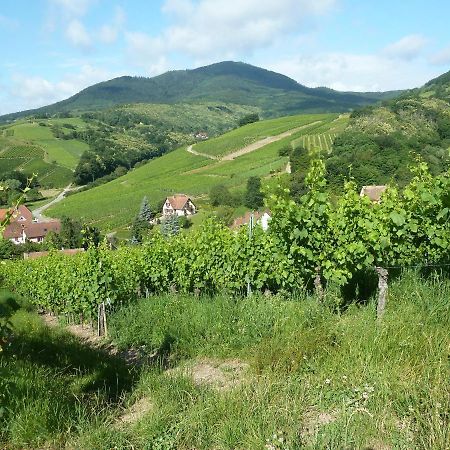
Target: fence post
point(382, 291)
point(318, 284)
point(250, 235)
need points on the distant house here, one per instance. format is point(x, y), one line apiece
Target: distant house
point(181, 205)
point(202, 135)
point(23, 227)
point(373, 192)
point(261, 218)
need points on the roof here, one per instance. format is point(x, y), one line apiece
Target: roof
point(178, 201)
point(245, 219)
point(32, 229)
point(21, 210)
point(373, 192)
point(68, 251)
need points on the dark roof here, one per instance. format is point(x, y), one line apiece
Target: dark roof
point(32, 229)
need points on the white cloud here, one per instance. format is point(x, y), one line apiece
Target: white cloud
point(77, 34)
point(72, 8)
point(407, 48)
point(109, 33)
point(28, 92)
point(441, 58)
point(353, 72)
point(220, 29)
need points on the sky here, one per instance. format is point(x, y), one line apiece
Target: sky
point(51, 49)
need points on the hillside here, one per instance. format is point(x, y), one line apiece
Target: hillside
point(115, 204)
point(31, 147)
point(380, 142)
point(230, 82)
point(61, 150)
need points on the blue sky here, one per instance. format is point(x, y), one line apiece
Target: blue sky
point(51, 49)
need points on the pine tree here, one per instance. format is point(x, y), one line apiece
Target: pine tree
point(145, 212)
point(171, 226)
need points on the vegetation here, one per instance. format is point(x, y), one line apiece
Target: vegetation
point(309, 376)
point(380, 143)
point(312, 240)
point(108, 206)
point(254, 198)
point(225, 82)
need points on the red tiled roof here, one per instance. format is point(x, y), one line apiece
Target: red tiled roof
point(178, 201)
point(32, 230)
point(21, 211)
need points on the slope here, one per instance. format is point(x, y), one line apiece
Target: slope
point(115, 204)
point(229, 82)
point(380, 142)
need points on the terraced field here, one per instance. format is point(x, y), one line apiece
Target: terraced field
point(31, 147)
point(114, 205)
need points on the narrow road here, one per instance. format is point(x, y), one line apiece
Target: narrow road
point(189, 149)
point(37, 213)
point(255, 145)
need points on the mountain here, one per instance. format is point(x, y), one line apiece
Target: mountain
point(229, 82)
point(381, 142)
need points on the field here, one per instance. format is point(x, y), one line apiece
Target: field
point(226, 373)
point(32, 148)
point(113, 205)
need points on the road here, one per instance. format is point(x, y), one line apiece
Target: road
point(37, 213)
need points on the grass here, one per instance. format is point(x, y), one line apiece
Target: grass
point(243, 136)
point(318, 376)
point(114, 205)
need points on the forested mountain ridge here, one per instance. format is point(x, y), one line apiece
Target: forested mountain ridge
point(380, 142)
point(229, 82)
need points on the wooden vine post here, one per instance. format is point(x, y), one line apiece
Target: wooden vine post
point(101, 321)
point(382, 291)
point(318, 284)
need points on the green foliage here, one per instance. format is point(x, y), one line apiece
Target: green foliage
point(170, 225)
point(220, 195)
point(254, 198)
point(249, 118)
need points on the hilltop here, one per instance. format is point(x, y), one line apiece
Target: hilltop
point(230, 82)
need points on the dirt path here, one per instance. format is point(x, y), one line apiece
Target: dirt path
point(189, 149)
point(263, 142)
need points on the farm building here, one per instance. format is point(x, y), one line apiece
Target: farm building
point(261, 218)
point(181, 205)
point(22, 226)
point(373, 192)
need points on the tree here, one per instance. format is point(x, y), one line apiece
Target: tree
point(70, 235)
point(249, 118)
point(171, 226)
point(145, 212)
point(254, 198)
point(220, 195)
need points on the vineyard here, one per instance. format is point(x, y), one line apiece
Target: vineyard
point(313, 240)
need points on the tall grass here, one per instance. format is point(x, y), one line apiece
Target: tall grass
point(320, 376)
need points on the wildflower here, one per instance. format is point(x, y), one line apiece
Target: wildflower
point(327, 381)
point(344, 377)
point(365, 395)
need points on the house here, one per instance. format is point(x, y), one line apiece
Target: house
point(201, 135)
point(261, 218)
point(19, 233)
point(373, 192)
point(180, 204)
point(23, 227)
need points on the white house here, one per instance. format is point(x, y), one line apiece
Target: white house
point(181, 205)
